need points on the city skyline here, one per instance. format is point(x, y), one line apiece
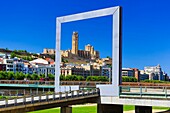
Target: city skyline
point(28, 25)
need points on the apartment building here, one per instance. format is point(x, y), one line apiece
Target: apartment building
point(9, 64)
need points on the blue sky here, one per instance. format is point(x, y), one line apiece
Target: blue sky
point(30, 25)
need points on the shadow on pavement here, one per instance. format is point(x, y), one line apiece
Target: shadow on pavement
point(168, 111)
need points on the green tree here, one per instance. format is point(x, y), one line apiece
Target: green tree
point(154, 81)
point(80, 78)
point(13, 54)
point(3, 75)
point(108, 57)
point(10, 75)
point(103, 78)
point(62, 77)
point(35, 76)
point(19, 76)
point(42, 75)
point(28, 76)
point(97, 78)
point(128, 79)
point(51, 76)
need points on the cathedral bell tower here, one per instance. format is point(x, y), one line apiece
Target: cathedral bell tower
point(75, 43)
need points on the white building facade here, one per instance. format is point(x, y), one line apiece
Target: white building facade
point(154, 72)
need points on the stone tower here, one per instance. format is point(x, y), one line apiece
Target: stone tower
point(75, 43)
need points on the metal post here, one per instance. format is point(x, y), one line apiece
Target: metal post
point(24, 99)
point(54, 96)
point(141, 91)
point(60, 95)
point(72, 94)
point(66, 95)
point(40, 98)
point(83, 92)
point(37, 91)
point(17, 92)
point(47, 97)
point(24, 92)
point(10, 93)
point(145, 89)
point(15, 101)
point(6, 102)
point(98, 91)
point(43, 90)
point(32, 99)
point(77, 93)
point(163, 89)
point(30, 91)
point(92, 91)
point(165, 92)
point(69, 88)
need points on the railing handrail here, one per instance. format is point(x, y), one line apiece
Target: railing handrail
point(82, 92)
point(141, 86)
point(143, 91)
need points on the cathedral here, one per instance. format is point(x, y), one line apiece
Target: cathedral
point(88, 53)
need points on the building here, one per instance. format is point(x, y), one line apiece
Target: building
point(41, 66)
point(2, 67)
point(105, 61)
point(93, 68)
point(166, 77)
point(88, 53)
point(72, 71)
point(66, 53)
point(107, 71)
point(83, 70)
point(9, 64)
point(38, 66)
point(144, 76)
point(27, 68)
point(49, 51)
point(50, 61)
point(155, 72)
point(136, 74)
point(18, 65)
point(93, 54)
point(14, 64)
point(74, 50)
point(39, 61)
point(129, 72)
point(43, 69)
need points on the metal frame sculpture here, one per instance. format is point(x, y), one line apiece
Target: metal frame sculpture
point(116, 41)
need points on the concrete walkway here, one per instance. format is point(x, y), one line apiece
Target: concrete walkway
point(154, 111)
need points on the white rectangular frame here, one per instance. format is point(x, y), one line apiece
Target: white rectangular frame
point(116, 42)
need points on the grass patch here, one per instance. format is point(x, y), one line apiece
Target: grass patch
point(128, 107)
point(90, 109)
point(53, 110)
point(161, 108)
point(84, 109)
